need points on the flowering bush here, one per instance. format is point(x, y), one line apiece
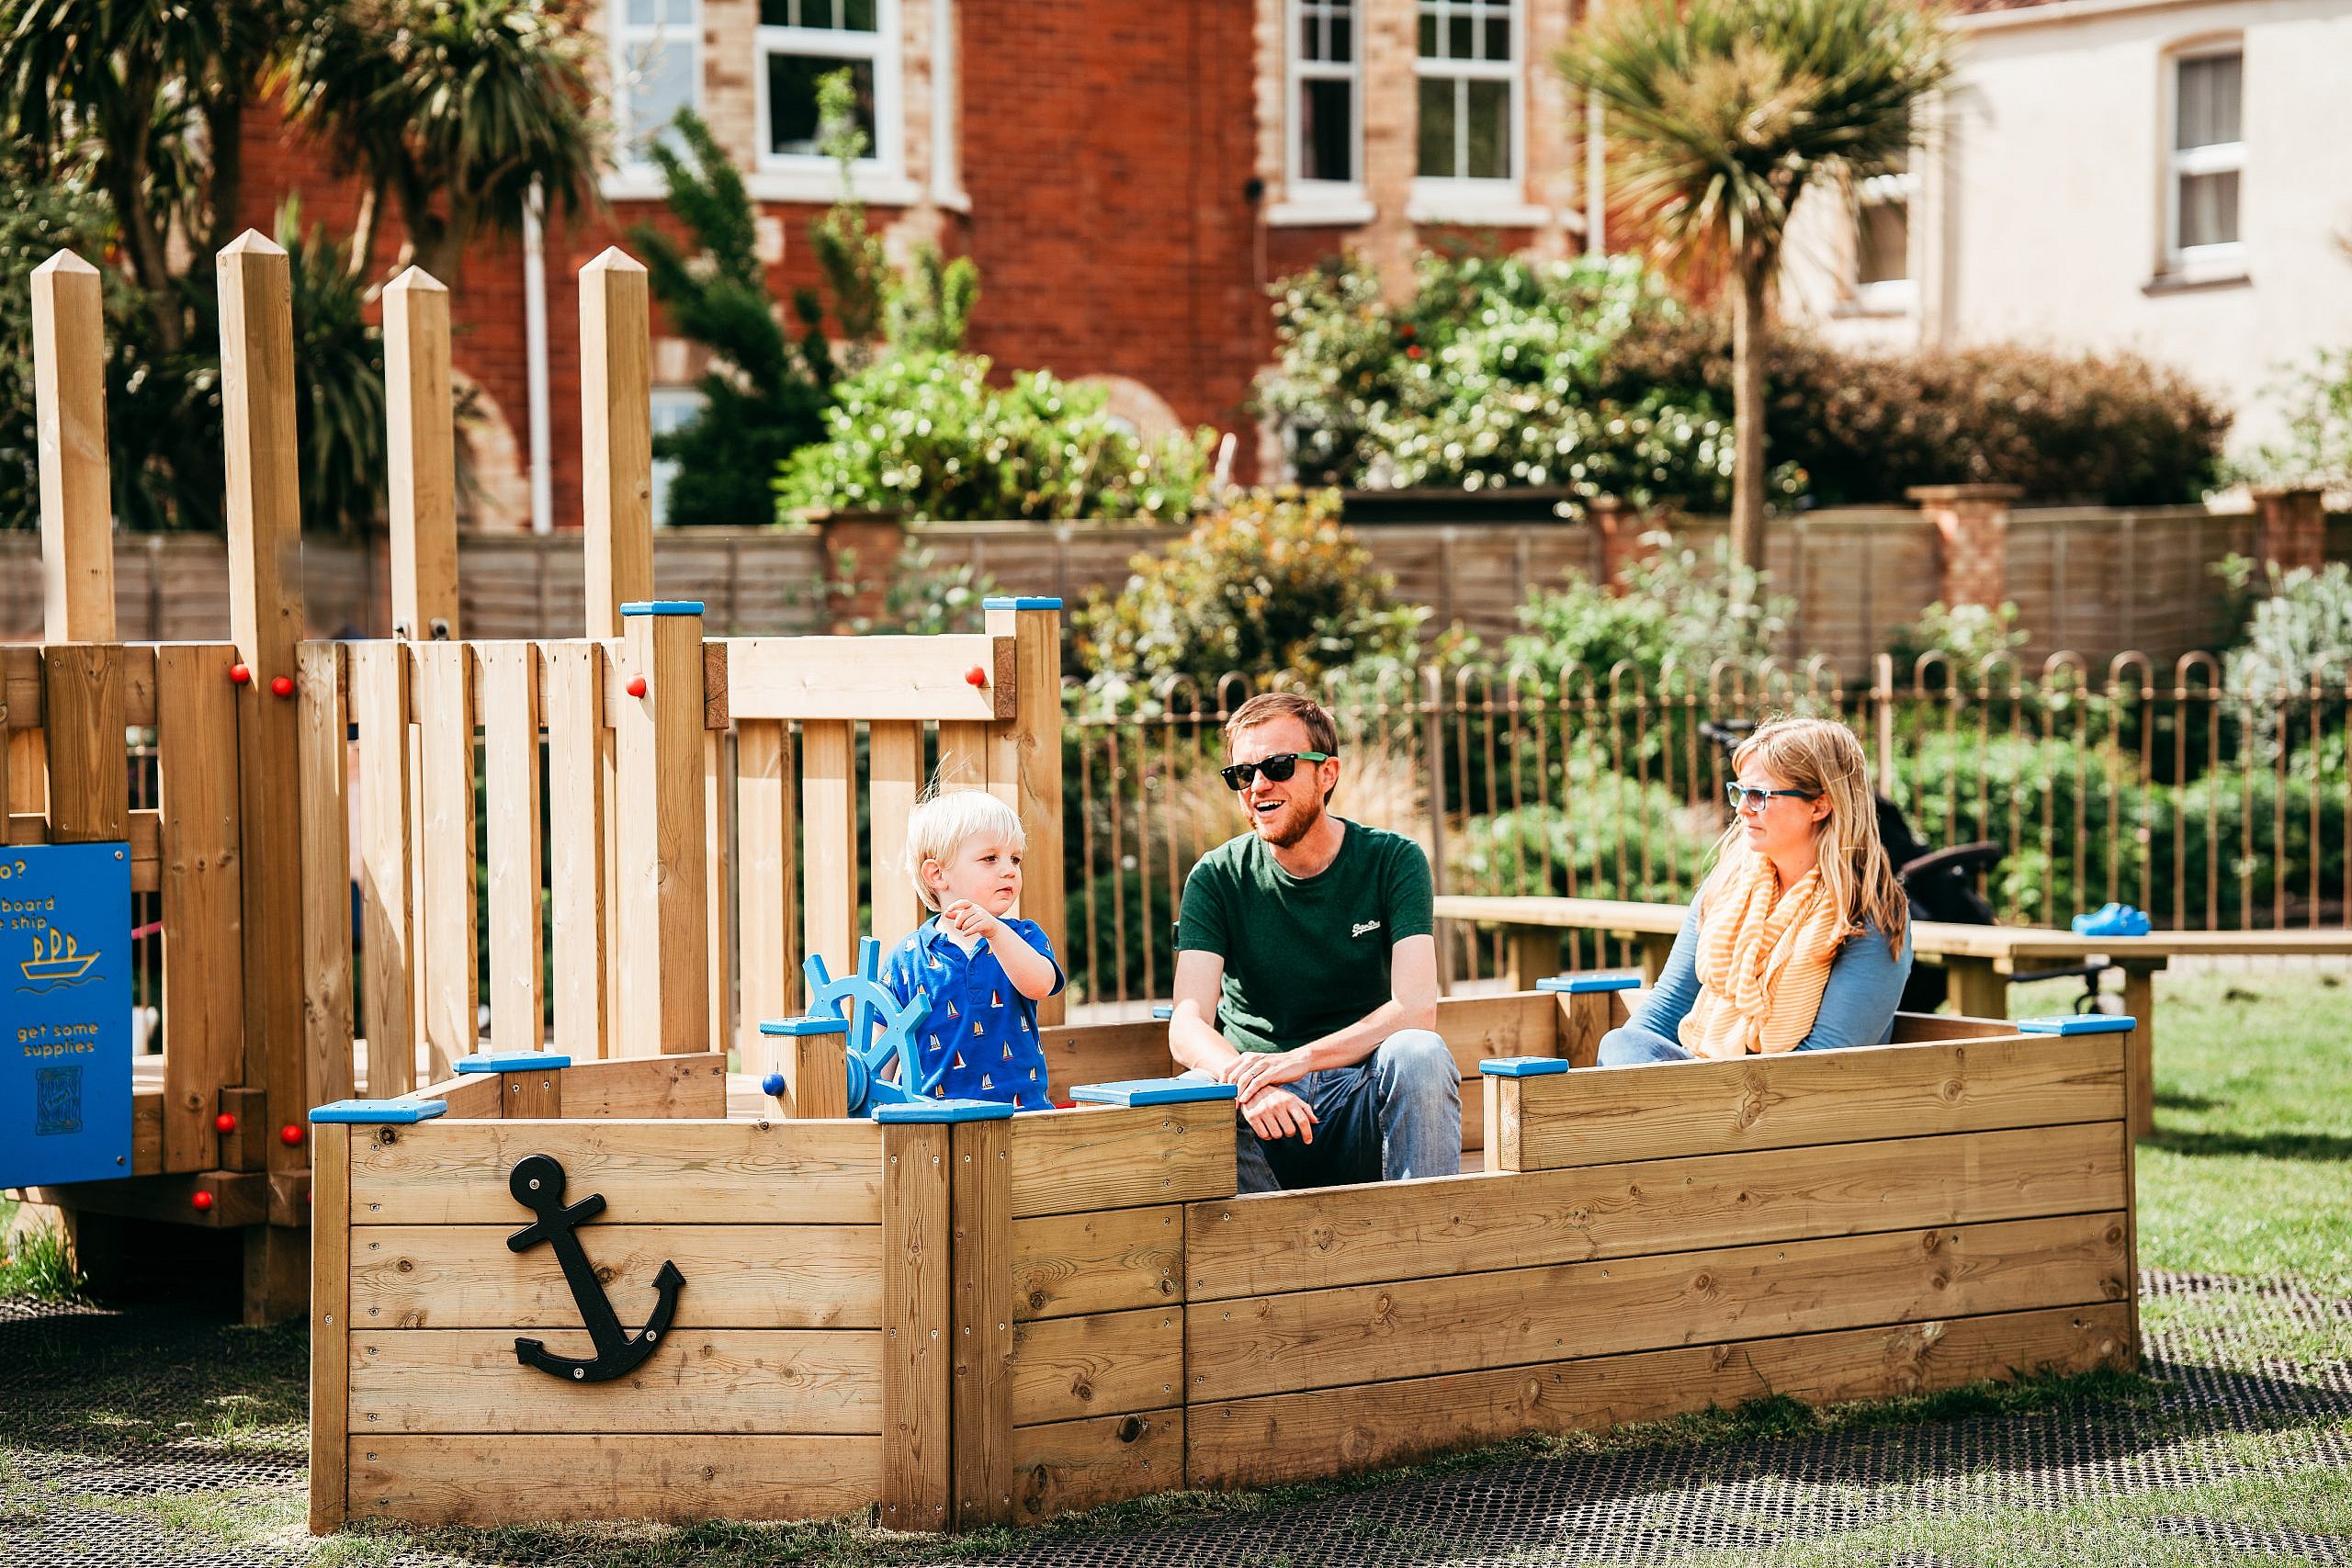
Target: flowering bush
point(925, 435)
point(1273, 586)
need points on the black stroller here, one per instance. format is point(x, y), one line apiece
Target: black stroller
point(1940, 884)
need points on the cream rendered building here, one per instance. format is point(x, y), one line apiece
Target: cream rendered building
point(2169, 176)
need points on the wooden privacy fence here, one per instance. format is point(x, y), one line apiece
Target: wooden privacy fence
point(639, 799)
point(958, 1324)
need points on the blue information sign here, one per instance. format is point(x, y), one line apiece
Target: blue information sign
point(64, 1014)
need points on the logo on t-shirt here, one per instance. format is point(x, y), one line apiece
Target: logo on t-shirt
point(1363, 926)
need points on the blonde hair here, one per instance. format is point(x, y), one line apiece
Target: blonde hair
point(1822, 757)
point(943, 821)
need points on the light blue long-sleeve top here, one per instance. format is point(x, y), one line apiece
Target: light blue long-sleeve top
point(1857, 1003)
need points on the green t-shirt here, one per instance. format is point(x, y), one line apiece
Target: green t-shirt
point(1303, 955)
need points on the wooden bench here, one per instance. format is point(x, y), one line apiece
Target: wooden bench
point(1982, 960)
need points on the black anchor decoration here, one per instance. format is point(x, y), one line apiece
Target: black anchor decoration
point(537, 1184)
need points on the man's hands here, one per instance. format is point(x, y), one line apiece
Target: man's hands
point(1278, 1113)
point(1254, 1070)
point(1271, 1111)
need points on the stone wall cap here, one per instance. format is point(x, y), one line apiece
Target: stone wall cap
point(1932, 493)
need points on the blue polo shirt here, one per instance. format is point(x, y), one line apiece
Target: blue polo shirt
point(980, 1040)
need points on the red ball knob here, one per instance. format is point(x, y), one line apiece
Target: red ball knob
point(975, 676)
point(224, 1123)
point(282, 685)
point(289, 1134)
point(636, 685)
point(240, 676)
point(202, 1200)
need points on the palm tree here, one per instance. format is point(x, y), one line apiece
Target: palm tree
point(456, 109)
point(1719, 114)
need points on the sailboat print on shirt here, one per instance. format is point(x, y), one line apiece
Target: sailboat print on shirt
point(986, 1084)
point(996, 998)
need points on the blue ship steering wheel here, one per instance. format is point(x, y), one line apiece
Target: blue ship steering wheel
point(878, 1028)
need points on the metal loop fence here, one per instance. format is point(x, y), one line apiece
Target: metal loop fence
point(2141, 782)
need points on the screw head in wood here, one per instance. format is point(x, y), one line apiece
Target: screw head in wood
point(240, 676)
point(224, 1123)
point(636, 685)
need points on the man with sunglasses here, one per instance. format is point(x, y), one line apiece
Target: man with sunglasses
point(1306, 973)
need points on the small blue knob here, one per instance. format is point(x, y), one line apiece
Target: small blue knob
point(772, 1085)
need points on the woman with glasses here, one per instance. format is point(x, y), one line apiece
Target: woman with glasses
point(1798, 939)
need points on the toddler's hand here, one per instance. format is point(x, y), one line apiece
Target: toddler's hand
point(968, 919)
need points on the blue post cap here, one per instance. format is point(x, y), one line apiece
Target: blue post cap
point(510, 1061)
point(1152, 1091)
point(1162, 1011)
point(1009, 603)
point(1586, 984)
point(931, 1111)
point(662, 607)
point(2079, 1024)
point(1522, 1066)
point(803, 1026)
point(370, 1112)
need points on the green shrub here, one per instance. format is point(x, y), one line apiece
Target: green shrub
point(2316, 451)
point(1969, 636)
point(2114, 429)
point(2299, 636)
point(1586, 376)
point(925, 435)
point(2046, 799)
point(1493, 375)
point(1677, 608)
point(1271, 587)
point(1610, 837)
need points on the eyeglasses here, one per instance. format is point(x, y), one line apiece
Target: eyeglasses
point(1277, 768)
point(1743, 799)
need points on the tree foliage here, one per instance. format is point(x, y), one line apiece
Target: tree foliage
point(1721, 113)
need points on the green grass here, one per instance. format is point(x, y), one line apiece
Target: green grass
point(35, 1263)
point(2252, 1161)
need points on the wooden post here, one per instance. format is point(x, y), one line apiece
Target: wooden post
point(1025, 763)
point(658, 810)
point(82, 709)
point(266, 622)
point(576, 754)
point(204, 1011)
point(326, 876)
point(767, 877)
point(509, 677)
point(982, 1208)
point(70, 423)
point(330, 1325)
point(916, 1385)
point(442, 701)
point(379, 693)
point(616, 437)
point(420, 456)
point(2139, 1003)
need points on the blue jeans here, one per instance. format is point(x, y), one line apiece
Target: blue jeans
point(1395, 1115)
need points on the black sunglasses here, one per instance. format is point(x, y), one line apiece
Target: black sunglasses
point(1757, 799)
point(1277, 768)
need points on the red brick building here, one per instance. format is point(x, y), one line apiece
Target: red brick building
point(1129, 178)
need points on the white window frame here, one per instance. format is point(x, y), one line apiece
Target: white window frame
point(631, 177)
point(1891, 296)
point(880, 175)
point(1299, 71)
point(2229, 258)
point(667, 408)
point(1460, 198)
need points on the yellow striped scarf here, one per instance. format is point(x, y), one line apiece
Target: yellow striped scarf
point(1764, 958)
